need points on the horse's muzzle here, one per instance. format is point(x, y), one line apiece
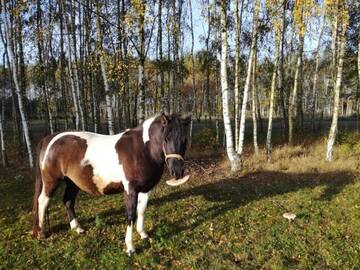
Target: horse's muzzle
point(178, 174)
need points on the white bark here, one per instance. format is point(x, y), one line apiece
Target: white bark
point(253, 107)
point(192, 72)
point(74, 76)
point(17, 86)
point(337, 88)
point(358, 58)
point(271, 107)
point(109, 105)
point(73, 92)
point(315, 79)
point(248, 78)
point(233, 157)
point(293, 99)
point(238, 21)
point(3, 150)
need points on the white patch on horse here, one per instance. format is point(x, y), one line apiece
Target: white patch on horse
point(74, 225)
point(146, 126)
point(43, 202)
point(128, 240)
point(103, 158)
point(141, 207)
point(101, 155)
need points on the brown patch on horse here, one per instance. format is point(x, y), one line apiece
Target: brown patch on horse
point(140, 170)
point(113, 188)
point(64, 159)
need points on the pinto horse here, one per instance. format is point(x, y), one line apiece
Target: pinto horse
point(132, 161)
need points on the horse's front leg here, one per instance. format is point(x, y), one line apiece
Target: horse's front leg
point(131, 199)
point(141, 207)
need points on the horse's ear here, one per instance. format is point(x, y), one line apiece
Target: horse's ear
point(164, 119)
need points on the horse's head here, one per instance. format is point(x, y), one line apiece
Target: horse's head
point(174, 139)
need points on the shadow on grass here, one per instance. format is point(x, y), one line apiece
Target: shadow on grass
point(225, 194)
point(232, 193)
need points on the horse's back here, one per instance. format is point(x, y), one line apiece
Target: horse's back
point(90, 160)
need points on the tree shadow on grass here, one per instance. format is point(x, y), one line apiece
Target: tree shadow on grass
point(231, 193)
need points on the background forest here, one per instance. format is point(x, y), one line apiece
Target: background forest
point(104, 66)
point(273, 87)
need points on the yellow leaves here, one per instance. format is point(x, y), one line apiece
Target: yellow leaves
point(302, 12)
point(273, 7)
point(337, 11)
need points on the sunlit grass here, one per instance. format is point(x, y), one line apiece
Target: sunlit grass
point(216, 221)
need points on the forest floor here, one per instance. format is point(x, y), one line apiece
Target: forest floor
point(218, 220)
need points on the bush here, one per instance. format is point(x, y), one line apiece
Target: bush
point(205, 138)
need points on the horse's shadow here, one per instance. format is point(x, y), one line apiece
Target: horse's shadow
point(231, 193)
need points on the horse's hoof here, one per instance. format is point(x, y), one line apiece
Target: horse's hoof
point(130, 252)
point(143, 235)
point(79, 230)
point(42, 235)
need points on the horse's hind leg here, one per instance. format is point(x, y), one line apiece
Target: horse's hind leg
point(71, 191)
point(47, 191)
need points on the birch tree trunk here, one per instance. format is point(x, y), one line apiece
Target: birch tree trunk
point(281, 77)
point(73, 88)
point(233, 157)
point(73, 66)
point(141, 52)
point(248, 78)
point(316, 72)
point(3, 150)
point(40, 45)
point(294, 95)
point(63, 87)
point(271, 107)
point(192, 71)
point(108, 99)
point(4, 159)
point(17, 86)
point(253, 107)
point(337, 88)
point(238, 20)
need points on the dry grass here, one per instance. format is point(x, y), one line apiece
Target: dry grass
point(305, 158)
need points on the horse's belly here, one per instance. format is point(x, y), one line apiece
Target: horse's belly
point(98, 182)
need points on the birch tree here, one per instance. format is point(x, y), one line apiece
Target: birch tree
point(4, 159)
point(342, 21)
point(13, 67)
point(248, 76)
point(192, 71)
point(233, 157)
point(238, 20)
point(277, 23)
point(271, 107)
point(315, 78)
point(253, 105)
point(100, 52)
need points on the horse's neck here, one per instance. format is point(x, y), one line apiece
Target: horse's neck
point(155, 151)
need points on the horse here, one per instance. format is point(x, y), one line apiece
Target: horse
point(131, 162)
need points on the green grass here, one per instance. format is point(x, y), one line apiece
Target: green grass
point(216, 221)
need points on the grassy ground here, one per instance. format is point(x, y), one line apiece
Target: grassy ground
point(216, 221)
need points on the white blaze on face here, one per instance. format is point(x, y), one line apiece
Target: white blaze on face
point(146, 126)
point(101, 155)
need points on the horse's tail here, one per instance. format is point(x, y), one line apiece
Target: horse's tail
point(38, 188)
